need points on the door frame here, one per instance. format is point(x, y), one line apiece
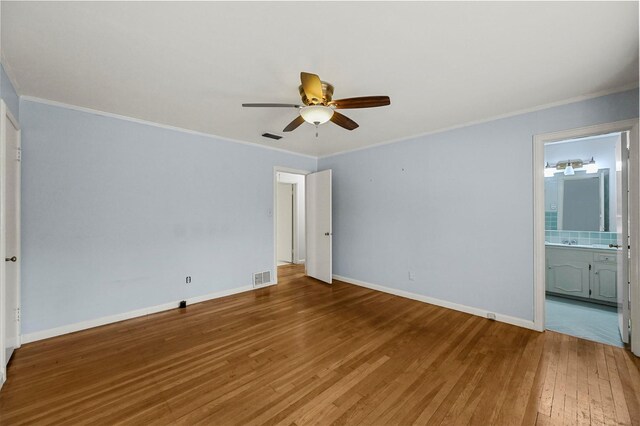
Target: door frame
point(539, 141)
point(294, 248)
point(274, 213)
point(5, 114)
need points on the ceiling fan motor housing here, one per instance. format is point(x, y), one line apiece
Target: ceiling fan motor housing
point(327, 95)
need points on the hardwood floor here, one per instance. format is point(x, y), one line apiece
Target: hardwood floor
point(303, 352)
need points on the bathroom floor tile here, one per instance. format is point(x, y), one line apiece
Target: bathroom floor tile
point(583, 319)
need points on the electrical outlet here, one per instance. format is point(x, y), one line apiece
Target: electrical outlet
point(188, 280)
point(412, 276)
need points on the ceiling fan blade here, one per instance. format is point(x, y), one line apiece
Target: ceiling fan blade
point(363, 102)
point(343, 121)
point(272, 105)
point(312, 87)
point(294, 124)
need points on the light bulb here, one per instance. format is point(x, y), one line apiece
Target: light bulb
point(568, 171)
point(548, 170)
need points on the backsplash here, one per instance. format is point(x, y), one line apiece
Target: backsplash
point(581, 237)
point(551, 220)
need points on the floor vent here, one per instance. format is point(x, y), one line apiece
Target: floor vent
point(261, 278)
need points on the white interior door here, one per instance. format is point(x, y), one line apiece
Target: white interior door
point(284, 222)
point(319, 231)
point(10, 234)
point(622, 228)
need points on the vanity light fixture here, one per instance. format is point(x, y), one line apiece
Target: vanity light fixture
point(569, 167)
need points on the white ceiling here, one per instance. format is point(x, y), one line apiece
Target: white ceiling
point(191, 65)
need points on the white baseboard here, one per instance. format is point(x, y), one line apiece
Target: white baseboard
point(445, 304)
point(84, 325)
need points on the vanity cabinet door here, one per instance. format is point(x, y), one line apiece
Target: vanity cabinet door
point(605, 282)
point(570, 277)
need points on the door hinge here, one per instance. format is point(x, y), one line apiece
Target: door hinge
point(18, 154)
point(589, 266)
point(589, 292)
point(18, 314)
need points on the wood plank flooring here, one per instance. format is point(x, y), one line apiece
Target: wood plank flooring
point(303, 352)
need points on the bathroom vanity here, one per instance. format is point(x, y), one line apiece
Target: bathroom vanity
point(585, 272)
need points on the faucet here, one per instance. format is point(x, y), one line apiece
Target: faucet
point(573, 242)
point(565, 242)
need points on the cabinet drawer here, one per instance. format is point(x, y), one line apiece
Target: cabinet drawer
point(606, 258)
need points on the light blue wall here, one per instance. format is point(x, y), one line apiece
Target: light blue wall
point(8, 93)
point(456, 207)
point(116, 214)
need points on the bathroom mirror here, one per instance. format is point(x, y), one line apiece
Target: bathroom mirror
point(579, 202)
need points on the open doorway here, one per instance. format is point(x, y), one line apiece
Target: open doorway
point(290, 214)
point(586, 230)
point(307, 232)
point(583, 215)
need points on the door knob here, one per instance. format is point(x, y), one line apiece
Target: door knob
point(328, 233)
point(10, 259)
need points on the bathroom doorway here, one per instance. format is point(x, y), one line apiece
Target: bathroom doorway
point(582, 185)
point(584, 226)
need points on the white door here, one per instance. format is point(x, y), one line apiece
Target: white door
point(284, 222)
point(622, 228)
point(10, 233)
point(318, 206)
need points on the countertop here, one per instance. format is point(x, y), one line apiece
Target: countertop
point(582, 246)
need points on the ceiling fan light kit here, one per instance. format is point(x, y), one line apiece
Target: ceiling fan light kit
point(319, 107)
point(316, 114)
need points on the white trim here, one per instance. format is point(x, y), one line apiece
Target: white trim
point(538, 216)
point(84, 325)
point(274, 212)
point(159, 125)
point(575, 99)
point(7, 119)
point(3, 124)
point(10, 74)
point(634, 232)
point(445, 304)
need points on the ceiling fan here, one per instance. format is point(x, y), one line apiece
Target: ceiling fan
point(318, 105)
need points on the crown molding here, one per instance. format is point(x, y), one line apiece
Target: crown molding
point(159, 125)
point(9, 72)
point(593, 95)
point(575, 99)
